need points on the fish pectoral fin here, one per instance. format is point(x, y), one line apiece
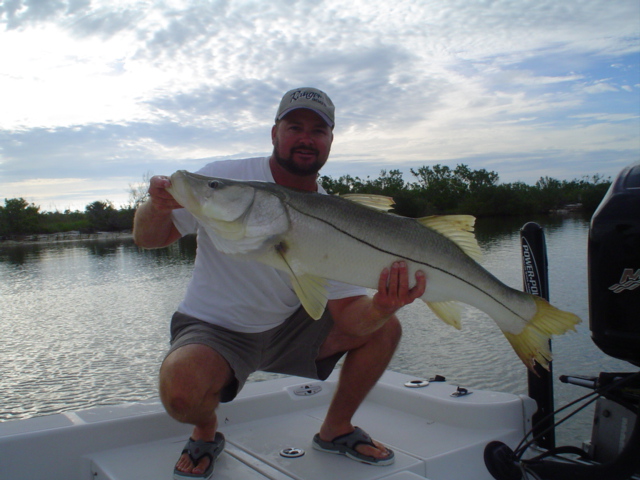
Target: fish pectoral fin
point(532, 343)
point(234, 246)
point(377, 202)
point(312, 292)
point(458, 229)
point(448, 312)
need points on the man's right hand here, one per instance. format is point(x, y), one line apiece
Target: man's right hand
point(152, 224)
point(160, 198)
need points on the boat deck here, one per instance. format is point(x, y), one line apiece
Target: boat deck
point(435, 436)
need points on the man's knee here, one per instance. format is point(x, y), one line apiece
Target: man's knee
point(391, 332)
point(190, 376)
point(386, 338)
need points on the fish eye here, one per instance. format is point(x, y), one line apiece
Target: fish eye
point(213, 184)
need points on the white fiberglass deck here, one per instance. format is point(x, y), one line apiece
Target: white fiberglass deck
point(434, 435)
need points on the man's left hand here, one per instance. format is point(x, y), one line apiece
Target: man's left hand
point(393, 288)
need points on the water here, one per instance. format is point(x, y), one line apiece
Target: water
point(86, 323)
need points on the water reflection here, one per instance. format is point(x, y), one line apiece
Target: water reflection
point(21, 253)
point(18, 255)
point(494, 230)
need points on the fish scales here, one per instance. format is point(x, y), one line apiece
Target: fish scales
point(377, 239)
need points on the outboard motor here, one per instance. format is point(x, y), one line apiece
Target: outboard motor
point(614, 269)
point(614, 311)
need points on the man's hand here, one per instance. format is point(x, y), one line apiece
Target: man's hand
point(152, 224)
point(393, 288)
point(364, 315)
point(161, 199)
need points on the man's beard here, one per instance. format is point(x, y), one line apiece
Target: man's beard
point(292, 167)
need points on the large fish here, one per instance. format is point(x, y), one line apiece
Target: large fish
point(315, 237)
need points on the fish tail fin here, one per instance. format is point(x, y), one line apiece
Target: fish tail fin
point(532, 344)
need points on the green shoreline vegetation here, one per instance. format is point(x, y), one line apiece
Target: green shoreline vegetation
point(435, 190)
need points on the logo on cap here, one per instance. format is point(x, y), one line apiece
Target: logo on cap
point(310, 98)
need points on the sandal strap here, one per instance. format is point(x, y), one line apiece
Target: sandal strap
point(199, 449)
point(353, 439)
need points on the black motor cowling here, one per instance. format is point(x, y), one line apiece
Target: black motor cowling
point(614, 269)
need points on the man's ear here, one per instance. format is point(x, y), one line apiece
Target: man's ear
point(273, 134)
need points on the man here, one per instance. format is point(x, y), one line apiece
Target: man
point(232, 306)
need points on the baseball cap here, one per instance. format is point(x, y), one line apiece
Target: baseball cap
point(310, 98)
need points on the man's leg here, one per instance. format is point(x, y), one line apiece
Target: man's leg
point(191, 379)
point(367, 359)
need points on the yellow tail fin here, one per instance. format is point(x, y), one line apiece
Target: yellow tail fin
point(532, 344)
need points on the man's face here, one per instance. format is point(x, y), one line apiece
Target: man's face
point(301, 142)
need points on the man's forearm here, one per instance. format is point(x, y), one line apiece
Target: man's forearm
point(153, 228)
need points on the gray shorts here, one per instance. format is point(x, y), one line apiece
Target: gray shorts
point(291, 348)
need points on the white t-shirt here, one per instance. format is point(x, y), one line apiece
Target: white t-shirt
point(244, 296)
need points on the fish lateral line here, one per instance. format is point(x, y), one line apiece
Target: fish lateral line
point(418, 262)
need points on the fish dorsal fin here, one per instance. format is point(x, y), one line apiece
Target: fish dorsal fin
point(448, 312)
point(377, 202)
point(458, 229)
point(312, 292)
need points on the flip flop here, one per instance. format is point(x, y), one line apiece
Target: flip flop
point(198, 449)
point(346, 445)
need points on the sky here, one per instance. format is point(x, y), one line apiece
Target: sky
point(97, 95)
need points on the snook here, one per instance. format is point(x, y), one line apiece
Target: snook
point(316, 237)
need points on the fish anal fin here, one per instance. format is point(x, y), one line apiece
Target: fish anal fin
point(448, 312)
point(312, 292)
point(377, 202)
point(532, 344)
point(458, 229)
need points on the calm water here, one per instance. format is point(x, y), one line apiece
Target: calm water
point(86, 323)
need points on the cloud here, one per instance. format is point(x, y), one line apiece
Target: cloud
point(18, 13)
point(600, 87)
point(70, 193)
point(113, 89)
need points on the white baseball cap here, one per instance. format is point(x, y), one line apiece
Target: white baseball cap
point(310, 98)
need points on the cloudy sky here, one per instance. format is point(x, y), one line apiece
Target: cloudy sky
point(97, 94)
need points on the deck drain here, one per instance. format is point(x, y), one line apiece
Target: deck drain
point(307, 390)
point(416, 383)
point(291, 452)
